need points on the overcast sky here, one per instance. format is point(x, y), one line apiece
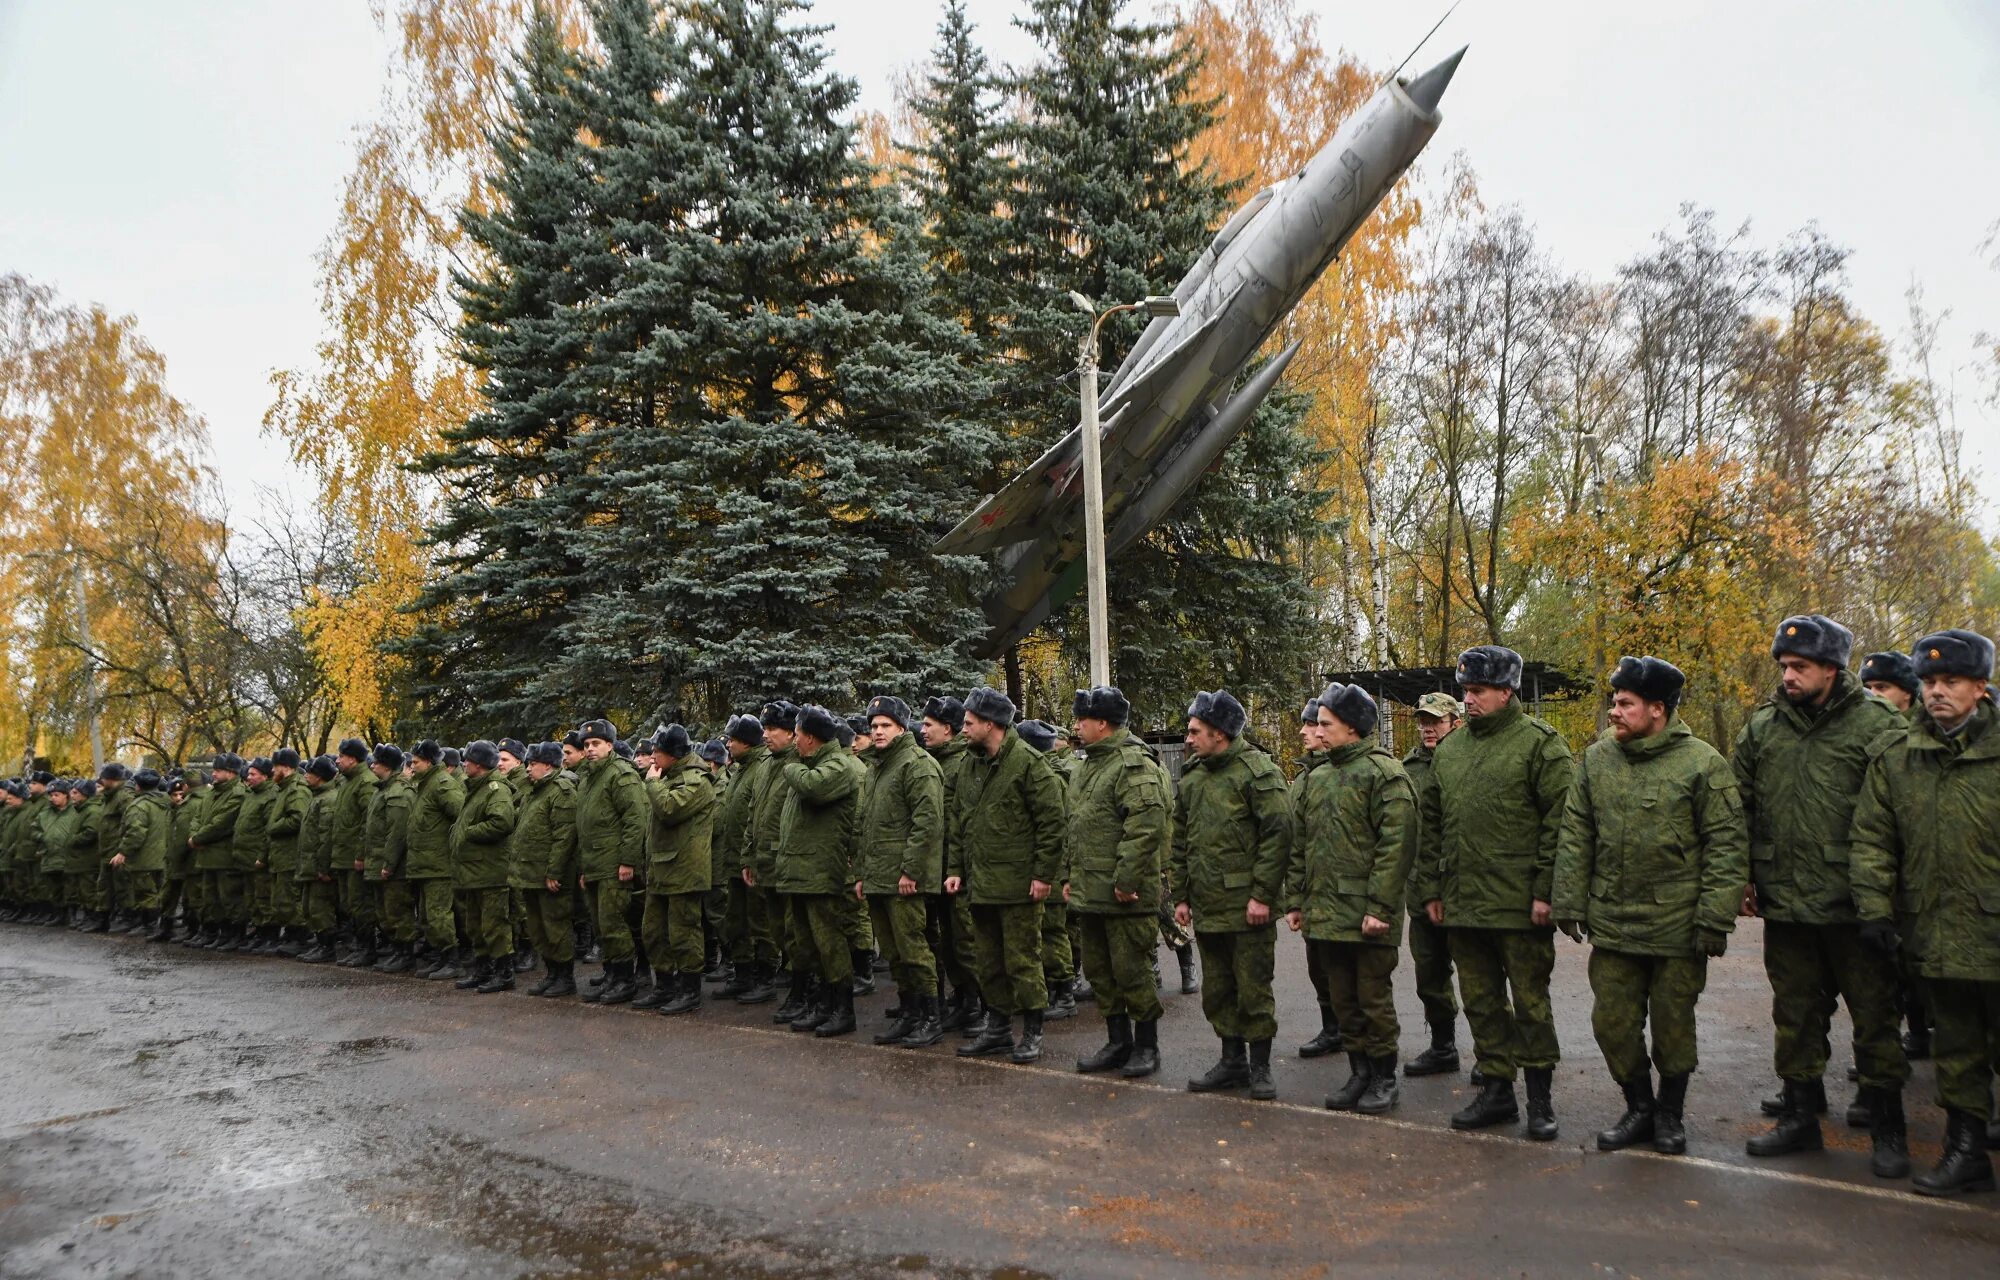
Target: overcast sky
point(182, 160)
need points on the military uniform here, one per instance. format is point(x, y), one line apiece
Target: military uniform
point(1491, 822)
point(317, 874)
point(1356, 837)
point(766, 814)
point(748, 927)
point(611, 833)
point(386, 837)
point(436, 798)
point(142, 841)
point(1233, 843)
point(181, 871)
point(542, 851)
point(950, 922)
point(1119, 833)
point(1926, 849)
point(113, 802)
point(902, 835)
point(680, 837)
point(286, 819)
point(224, 905)
point(1800, 771)
point(479, 866)
point(1430, 949)
point(253, 846)
point(1652, 864)
point(358, 896)
point(817, 825)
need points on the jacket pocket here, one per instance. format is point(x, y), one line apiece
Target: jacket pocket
point(1237, 879)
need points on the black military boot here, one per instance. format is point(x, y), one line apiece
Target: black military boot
point(1541, 1104)
point(99, 922)
point(840, 1018)
point(1860, 1112)
point(363, 956)
point(976, 1014)
point(163, 929)
point(665, 987)
point(293, 942)
point(548, 980)
point(122, 922)
point(499, 975)
point(1777, 1103)
point(929, 1026)
point(1062, 1003)
point(1230, 1071)
point(996, 1035)
point(759, 989)
point(524, 958)
point(1441, 1058)
point(1328, 1040)
point(1964, 1166)
point(825, 999)
point(321, 950)
point(624, 983)
point(1262, 1086)
point(1797, 1128)
point(687, 999)
point(475, 973)
point(1495, 1104)
point(1360, 1071)
point(1029, 1049)
point(1889, 1135)
point(244, 939)
point(1189, 983)
point(954, 1011)
point(863, 963)
point(1081, 991)
point(795, 999)
point(1145, 1059)
point(907, 1014)
point(740, 977)
point(1669, 1134)
point(402, 957)
point(1383, 1091)
point(1117, 1050)
point(564, 973)
point(1637, 1124)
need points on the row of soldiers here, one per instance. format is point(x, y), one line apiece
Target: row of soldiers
point(1858, 823)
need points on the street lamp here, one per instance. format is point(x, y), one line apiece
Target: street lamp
point(1155, 306)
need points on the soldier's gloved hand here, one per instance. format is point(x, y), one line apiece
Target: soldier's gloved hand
point(1881, 935)
point(1711, 942)
point(1574, 928)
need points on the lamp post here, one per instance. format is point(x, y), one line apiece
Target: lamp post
point(1155, 306)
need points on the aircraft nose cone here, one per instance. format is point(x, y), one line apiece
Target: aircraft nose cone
point(1428, 89)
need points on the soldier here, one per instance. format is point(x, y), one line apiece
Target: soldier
point(1312, 755)
point(854, 923)
point(542, 865)
point(12, 796)
point(359, 895)
point(479, 865)
point(1438, 714)
point(720, 969)
point(1058, 956)
point(113, 800)
point(1116, 845)
point(1492, 818)
point(679, 852)
point(611, 846)
point(513, 757)
point(386, 837)
point(1003, 847)
point(287, 814)
point(214, 843)
point(253, 841)
point(315, 876)
point(900, 864)
point(192, 812)
point(816, 832)
point(1923, 834)
point(750, 926)
point(1892, 677)
point(950, 923)
point(58, 832)
point(766, 815)
point(1653, 861)
point(1799, 763)
point(437, 796)
point(1232, 849)
point(1356, 831)
point(141, 857)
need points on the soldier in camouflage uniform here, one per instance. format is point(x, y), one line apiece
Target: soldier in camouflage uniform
point(680, 837)
point(140, 859)
point(480, 837)
point(1438, 714)
point(1892, 677)
point(542, 865)
point(225, 911)
point(817, 828)
point(611, 847)
point(1799, 763)
point(316, 876)
point(358, 895)
point(900, 865)
point(1355, 822)
point(1925, 855)
point(1232, 849)
point(113, 799)
point(750, 926)
point(386, 837)
point(950, 922)
point(1492, 817)
point(1312, 755)
point(1058, 953)
point(1652, 866)
point(1120, 829)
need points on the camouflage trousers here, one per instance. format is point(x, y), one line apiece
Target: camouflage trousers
point(1361, 988)
point(319, 902)
point(434, 903)
point(359, 900)
point(1503, 978)
point(820, 936)
point(1430, 959)
point(133, 890)
point(487, 925)
point(1117, 953)
point(1628, 992)
point(1236, 992)
point(610, 903)
point(1808, 964)
point(548, 920)
point(1058, 959)
point(1966, 1043)
point(950, 930)
point(1008, 940)
point(746, 926)
point(222, 898)
point(672, 929)
point(899, 927)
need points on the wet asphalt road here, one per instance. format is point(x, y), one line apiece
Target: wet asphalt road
point(165, 1112)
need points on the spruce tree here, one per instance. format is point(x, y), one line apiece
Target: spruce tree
point(508, 576)
point(1108, 203)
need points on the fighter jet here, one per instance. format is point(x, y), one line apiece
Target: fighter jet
point(1168, 412)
